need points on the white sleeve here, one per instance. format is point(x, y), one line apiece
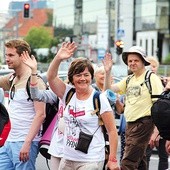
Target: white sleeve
point(104, 104)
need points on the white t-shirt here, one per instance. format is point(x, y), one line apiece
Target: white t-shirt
point(57, 141)
point(77, 115)
point(21, 119)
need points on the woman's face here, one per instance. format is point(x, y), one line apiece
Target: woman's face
point(154, 67)
point(99, 77)
point(82, 80)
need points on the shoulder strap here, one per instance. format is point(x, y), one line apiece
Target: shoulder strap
point(97, 106)
point(95, 87)
point(11, 79)
point(128, 79)
point(69, 95)
point(148, 81)
point(28, 89)
point(96, 102)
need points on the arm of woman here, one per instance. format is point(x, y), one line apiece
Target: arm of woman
point(46, 96)
point(109, 122)
point(56, 84)
point(107, 62)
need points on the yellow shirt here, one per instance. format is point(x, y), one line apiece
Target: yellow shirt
point(138, 100)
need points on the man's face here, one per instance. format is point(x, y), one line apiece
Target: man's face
point(12, 58)
point(135, 63)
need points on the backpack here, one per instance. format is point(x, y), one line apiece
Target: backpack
point(160, 112)
point(49, 122)
point(96, 104)
point(5, 124)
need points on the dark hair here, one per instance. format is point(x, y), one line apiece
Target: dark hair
point(79, 65)
point(20, 46)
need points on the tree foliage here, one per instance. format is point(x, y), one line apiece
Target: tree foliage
point(39, 37)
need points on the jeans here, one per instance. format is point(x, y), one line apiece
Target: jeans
point(163, 156)
point(9, 156)
point(137, 137)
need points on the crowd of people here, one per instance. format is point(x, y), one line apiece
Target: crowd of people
point(78, 142)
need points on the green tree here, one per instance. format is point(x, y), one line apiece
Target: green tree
point(167, 59)
point(39, 37)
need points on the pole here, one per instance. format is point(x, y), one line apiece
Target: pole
point(16, 24)
point(117, 26)
point(109, 24)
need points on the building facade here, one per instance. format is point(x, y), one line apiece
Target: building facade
point(93, 21)
point(152, 27)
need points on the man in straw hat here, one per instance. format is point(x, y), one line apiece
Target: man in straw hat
point(137, 105)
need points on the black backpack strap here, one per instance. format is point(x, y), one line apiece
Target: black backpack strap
point(148, 81)
point(69, 96)
point(28, 89)
point(128, 79)
point(163, 95)
point(11, 78)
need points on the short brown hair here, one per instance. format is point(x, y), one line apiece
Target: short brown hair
point(79, 65)
point(20, 46)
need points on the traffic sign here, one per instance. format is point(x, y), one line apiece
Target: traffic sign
point(101, 53)
point(120, 32)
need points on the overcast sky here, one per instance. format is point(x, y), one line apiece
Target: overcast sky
point(4, 5)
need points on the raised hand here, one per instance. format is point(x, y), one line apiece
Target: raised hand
point(29, 61)
point(66, 51)
point(107, 62)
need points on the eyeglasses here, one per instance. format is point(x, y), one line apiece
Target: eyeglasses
point(12, 92)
